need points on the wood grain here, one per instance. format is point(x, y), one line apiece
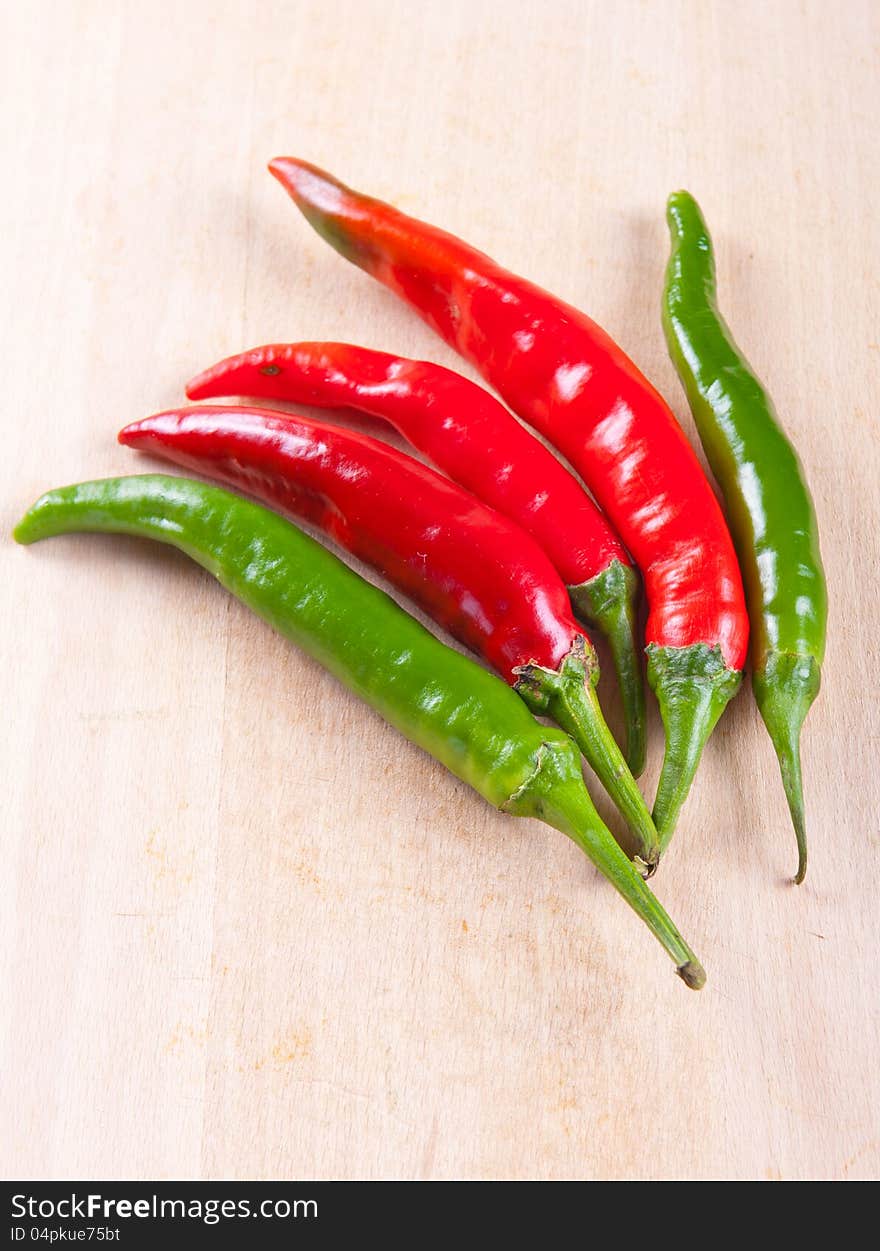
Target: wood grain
point(247, 931)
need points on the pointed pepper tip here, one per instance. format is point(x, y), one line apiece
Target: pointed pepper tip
point(802, 866)
point(198, 386)
point(290, 171)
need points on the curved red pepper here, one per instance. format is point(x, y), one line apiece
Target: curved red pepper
point(459, 426)
point(418, 528)
point(471, 569)
point(563, 374)
point(469, 435)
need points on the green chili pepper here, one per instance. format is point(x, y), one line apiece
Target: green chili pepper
point(466, 718)
point(769, 507)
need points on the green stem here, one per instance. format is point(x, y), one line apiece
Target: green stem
point(610, 603)
point(785, 687)
point(560, 798)
point(693, 686)
point(568, 696)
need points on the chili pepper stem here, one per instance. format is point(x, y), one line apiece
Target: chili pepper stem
point(693, 686)
point(785, 689)
point(609, 601)
point(568, 696)
point(561, 800)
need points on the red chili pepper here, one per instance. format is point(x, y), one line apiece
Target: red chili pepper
point(471, 569)
point(467, 434)
point(563, 374)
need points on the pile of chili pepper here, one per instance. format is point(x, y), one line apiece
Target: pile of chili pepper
point(500, 543)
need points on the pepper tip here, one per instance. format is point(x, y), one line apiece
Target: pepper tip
point(802, 866)
point(675, 201)
point(195, 389)
point(285, 168)
point(128, 435)
point(796, 807)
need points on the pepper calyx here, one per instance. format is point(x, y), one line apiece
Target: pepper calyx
point(568, 696)
point(693, 686)
point(538, 685)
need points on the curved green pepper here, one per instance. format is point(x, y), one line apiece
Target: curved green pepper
point(768, 504)
point(462, 715)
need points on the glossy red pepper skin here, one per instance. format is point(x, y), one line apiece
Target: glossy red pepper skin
point(471, 569)
point(565, 376)
point(416, 527)
point(471, 437)
point(460, 427)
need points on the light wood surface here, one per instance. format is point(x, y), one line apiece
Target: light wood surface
point(247, 930)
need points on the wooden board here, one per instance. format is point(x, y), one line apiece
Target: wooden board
point(247, 930)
